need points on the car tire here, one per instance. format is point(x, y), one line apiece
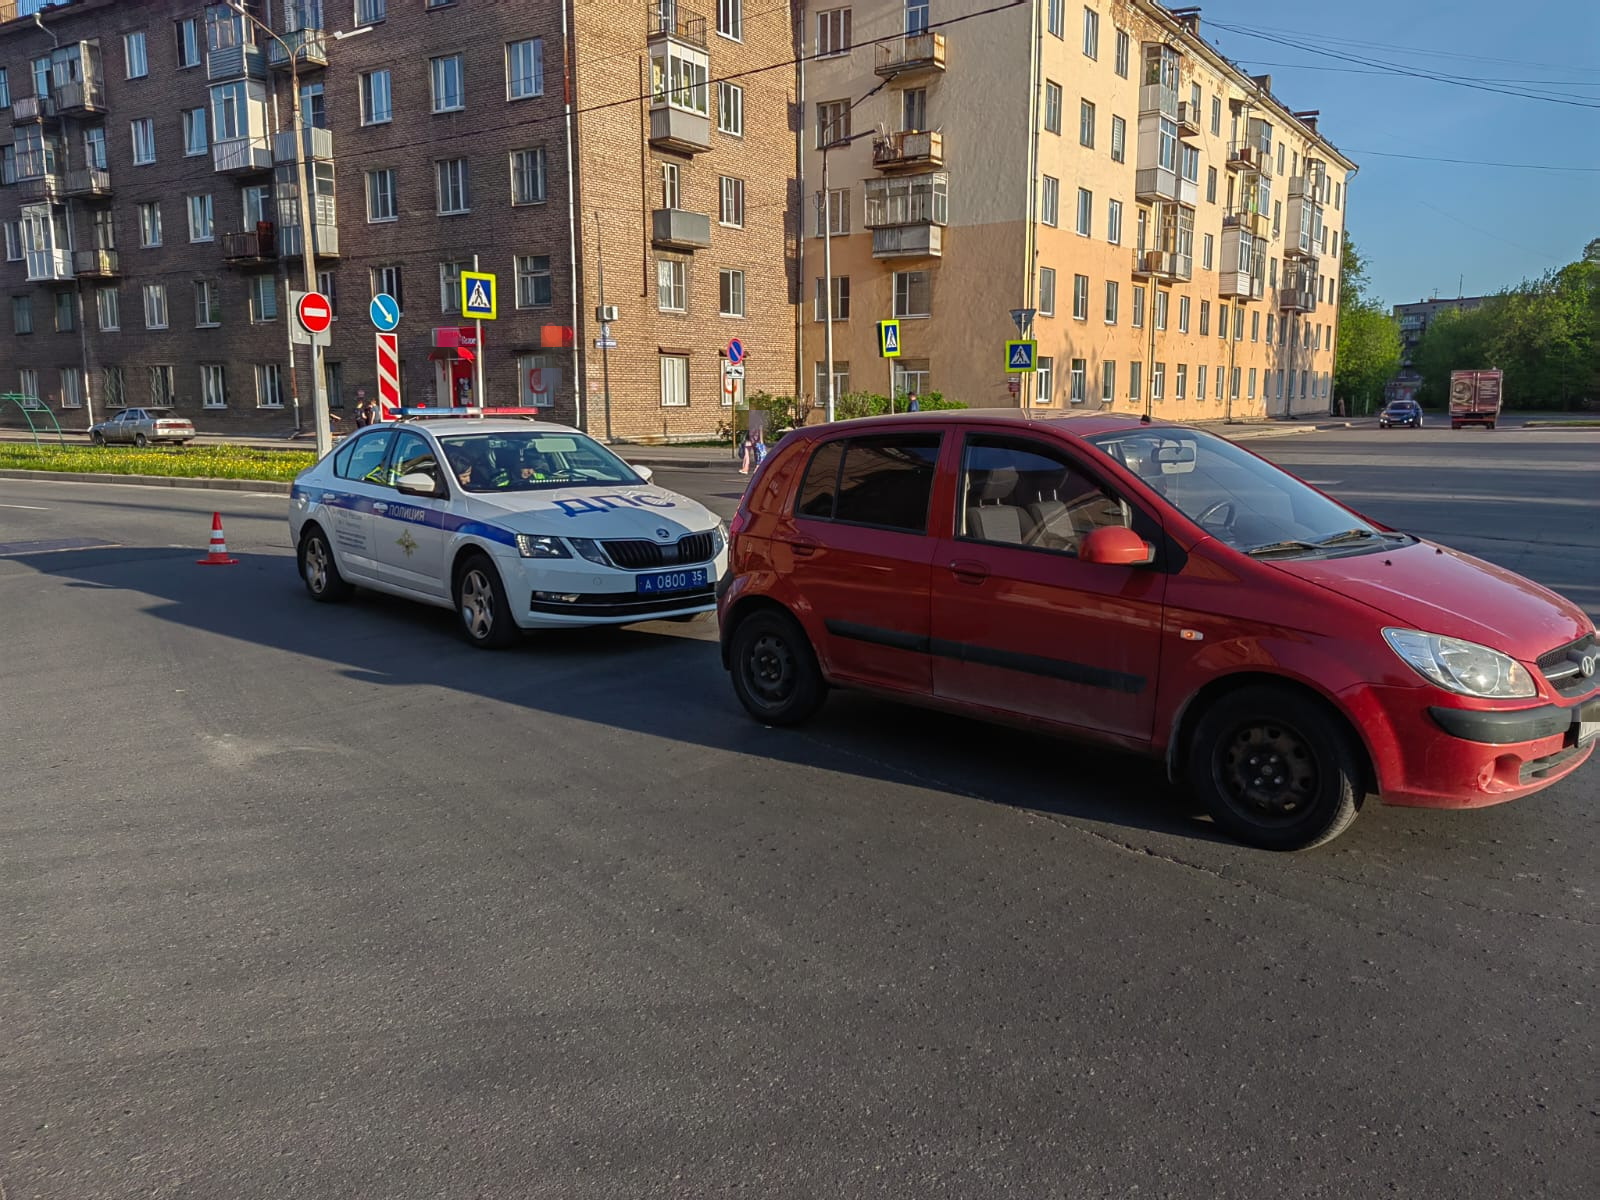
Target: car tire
point(1276, 769)
point(775, 671)
point(481, 605)
point(98, 438)
point(140, 440)
point(318, 570)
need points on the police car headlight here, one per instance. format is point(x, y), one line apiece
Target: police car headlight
point(538, 545)
point(719, 537)
point(590, 549)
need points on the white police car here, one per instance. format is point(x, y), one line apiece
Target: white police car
point(514, 524)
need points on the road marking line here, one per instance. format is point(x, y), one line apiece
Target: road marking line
point(29, 507)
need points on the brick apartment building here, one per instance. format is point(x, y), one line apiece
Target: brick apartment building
point(151, 219)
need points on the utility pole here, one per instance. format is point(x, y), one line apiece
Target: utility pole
point(827, 282)
point(605, 328)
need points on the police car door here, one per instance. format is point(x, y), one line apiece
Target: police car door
point(347, 499)
point(408, 531)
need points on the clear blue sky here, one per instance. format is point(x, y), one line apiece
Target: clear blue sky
point(1423, 226)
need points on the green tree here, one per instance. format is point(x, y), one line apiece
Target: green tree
point(1369, 338)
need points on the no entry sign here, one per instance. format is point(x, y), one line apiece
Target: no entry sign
point(314, 312)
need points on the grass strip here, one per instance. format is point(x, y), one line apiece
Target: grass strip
point(188, 462)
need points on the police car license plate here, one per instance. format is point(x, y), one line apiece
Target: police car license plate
point(671, 581)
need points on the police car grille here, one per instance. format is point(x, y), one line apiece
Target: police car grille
point(636, 554)
point(1563, 666)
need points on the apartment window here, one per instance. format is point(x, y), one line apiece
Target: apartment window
point(730, 208)
point(1280, 158)
point(1123, 43)
point(674, 380)
point(1255, 327)
point(1200, 382)
point(213, 386)
point(1233, 389)
point(1085, 212)
point(1271, 328)
point(841, 381)
point(1080, 297)
point(163, 386)
point(144, 141)
point(22, 314)
point(134, 51)
point(1277, 217)
point(28, 385)
point(841, 299)
point(730, 109)
point(1250, 393)
point(1114, 222)
point(1336, 188)
point(1180, 383)
point(1091, 33)
point(1160, 305)
point(447, 83)
point(912, 377)
point(916, 16)
point(730, 19)
point(1047, 291)
point(1216, 116)
point(730, 293)
point(8, 164)
point(1207, 246)
point(451, 183)
point(194, 132)
point(255, 204)
point(836, 213)
point(150, 224)
point(269, 385)
point(13, 241)
point(387, 281)
point(263, 298)
point(1144, 223)
point(1138, 307)
point(670, 197)
point(525, 69)
point(66, 312)
point(5, 89)
point(1056, 18)
point(207, 304)
point(1052, 107)
point(71, 388)
point(450, 285)
point(533, 280)
point(672, 291)
point(1211, 185)
point(382, 201)
point(377, 100)
point(833, 32)
point(200, 219)
point(1220, 377)
point(833, 121)
point(1044, 386)
point(1086, 124)
point(1119, 140)
point(370, 12)
point(1190, 159)
point(1158, 381)
point(1222, 320)
point(155, 306)
point(188, 35)
point(107, 304)
point(1050, 201)
point(1135, 380)
point(1238, 323)
point(914, 109)
point(528, 176)
point(1183, 314)
point(913, 293)
point(112, 387)
point(1113, 300)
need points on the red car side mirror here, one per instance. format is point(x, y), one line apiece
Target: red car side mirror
point(1116, 546)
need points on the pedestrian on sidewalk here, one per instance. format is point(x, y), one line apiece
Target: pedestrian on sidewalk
point(744, 452)
point(760, 452)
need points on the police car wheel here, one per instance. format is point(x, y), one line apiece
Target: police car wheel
point(482, 606)
point(318, 569)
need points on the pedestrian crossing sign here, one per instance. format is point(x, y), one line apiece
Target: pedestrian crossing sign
point(477, 295)
point(888, 339)
point(1022, 356)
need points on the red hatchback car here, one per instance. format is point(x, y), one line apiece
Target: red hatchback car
point(1161, 589)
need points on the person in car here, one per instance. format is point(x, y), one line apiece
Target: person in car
point(474, 471)
point(537, 466)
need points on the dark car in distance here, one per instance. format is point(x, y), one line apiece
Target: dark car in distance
point(1407, 413)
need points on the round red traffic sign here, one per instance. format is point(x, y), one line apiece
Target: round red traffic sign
point(315, 313)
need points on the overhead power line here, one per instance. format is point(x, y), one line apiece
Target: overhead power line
point(1473, 162)
point(1426, 51)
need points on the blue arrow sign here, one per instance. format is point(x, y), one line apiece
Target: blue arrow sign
point(385, 312)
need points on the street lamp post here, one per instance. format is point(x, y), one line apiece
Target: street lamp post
point(827, 261)
point(319, 401)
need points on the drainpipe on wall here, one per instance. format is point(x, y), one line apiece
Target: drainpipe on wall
point(1030, 234)
point(799, 38)
point(580, 381)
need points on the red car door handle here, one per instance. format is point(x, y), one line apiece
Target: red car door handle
point(968, 571)
point(804, 547)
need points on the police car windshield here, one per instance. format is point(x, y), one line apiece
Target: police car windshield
point(526, 461)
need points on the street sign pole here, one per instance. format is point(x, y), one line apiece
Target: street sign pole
point(605, 346)
point(478, 386)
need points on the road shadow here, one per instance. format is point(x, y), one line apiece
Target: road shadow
point(662, 680)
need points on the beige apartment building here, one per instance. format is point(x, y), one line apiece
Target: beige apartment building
point(1174, 227)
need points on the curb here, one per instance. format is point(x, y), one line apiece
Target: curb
point(275, 486)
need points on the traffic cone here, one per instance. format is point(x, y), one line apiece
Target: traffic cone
point(218, 557)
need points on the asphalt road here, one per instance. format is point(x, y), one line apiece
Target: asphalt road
point(318, 902)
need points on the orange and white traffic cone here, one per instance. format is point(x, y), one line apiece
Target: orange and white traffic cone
point(218, 556)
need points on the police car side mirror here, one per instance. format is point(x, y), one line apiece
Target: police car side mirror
point(418, 483)
point(644, 473)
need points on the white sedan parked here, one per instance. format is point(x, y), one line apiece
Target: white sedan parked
point(514, 524)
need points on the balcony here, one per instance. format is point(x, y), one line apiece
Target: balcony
point(242, 155)
point(1309, 185)
point(1151, 184)
point(245, 61)
point(86, 97)
point(324, 241)
point(679, 24)
point(679, 130)
point(1298, 292)
point(303, 49)
point(1302, 229)
point(1168, 266)
point(1249, 220)
point(1188, 192)
point(909, 148)
point(29, 110)
point(89, 183)
point(1188, 120)
point(96, 264)
point(908, 241)
point(910, 56)
point(252, 247)
point(318, 143)
point(1250, 156)
point(49, 266)
point(677, 229)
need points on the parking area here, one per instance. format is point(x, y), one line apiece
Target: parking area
point(319, 901)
